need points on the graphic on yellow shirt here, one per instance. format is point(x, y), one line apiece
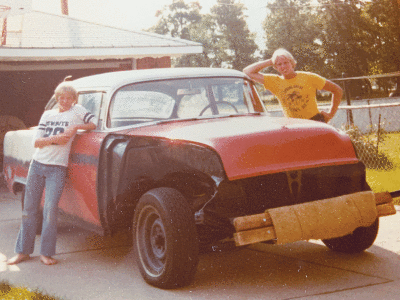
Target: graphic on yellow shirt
point(295, 101)
point(297, 96)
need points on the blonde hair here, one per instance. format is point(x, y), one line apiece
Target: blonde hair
point(285, 53)
point(66, 88)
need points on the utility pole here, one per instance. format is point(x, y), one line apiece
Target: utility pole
point(396, 6)
point(64, 7)
point(4, 10)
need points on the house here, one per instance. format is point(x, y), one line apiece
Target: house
point(38, 50)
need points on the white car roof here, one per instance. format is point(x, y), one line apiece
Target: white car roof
point(120, 78)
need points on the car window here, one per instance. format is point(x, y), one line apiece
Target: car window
point(192, 105)
point(92, 102)
point(130, 107)
point(178, 99)
point(235, 96)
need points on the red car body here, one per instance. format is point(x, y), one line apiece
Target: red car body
point(178, 173)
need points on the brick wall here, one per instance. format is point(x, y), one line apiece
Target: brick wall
point(151, 63)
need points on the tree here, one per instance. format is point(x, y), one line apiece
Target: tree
point(224, 34)
point(293, 25)
point(175, 19)
point(232, 27)
point(178, 20)
point(185, 21)
point(214, 45)
point(345, 36)
point(384, 16)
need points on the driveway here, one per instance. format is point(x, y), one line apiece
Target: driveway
point(95, 267)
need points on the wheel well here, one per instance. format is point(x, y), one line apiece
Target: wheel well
point(129, 167)
point(195, 188)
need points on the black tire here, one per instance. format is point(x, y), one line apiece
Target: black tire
point(39, 224)
point(165, 239)
point(361, 239)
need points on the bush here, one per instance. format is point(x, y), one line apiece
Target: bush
point(8, 292)
point(367, 147)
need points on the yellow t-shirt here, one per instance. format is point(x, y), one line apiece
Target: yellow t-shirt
point(297, 95)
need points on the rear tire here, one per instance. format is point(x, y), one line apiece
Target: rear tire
point(165, 239)
point(361, 239)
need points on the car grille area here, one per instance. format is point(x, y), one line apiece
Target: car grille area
point(257, 194)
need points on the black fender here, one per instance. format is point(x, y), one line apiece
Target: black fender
point(129, 166)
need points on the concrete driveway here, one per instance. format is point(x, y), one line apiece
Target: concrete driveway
point(95, 267)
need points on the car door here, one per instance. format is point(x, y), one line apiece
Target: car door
point(79, 200)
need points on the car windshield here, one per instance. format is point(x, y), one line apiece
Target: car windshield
point(181, 99)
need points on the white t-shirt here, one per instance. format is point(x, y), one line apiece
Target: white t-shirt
point(53, 122)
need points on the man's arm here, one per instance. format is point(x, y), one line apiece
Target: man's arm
point(59, 139)
point(337, 93)
point(253, 71)
point(72, 130)
point(63, 138)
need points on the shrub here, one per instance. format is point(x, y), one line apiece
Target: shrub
point(367, 147)
point(9, 292)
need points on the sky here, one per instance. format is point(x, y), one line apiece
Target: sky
point(139, 15)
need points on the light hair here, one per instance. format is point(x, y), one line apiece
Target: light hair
point(284, 53)
point(66, 88)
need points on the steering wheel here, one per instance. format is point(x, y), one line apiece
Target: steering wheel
point(221, 102)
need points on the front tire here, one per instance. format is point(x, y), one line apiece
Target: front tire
point(165, 239)
point(361, 239)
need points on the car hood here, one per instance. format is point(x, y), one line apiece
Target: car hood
point(259, 144)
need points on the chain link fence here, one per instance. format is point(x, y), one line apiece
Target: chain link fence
point(374, 127)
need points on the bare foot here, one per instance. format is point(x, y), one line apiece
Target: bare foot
point(48, 260)
point(18, 258)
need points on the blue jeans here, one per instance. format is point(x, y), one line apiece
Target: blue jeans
point(41, 177)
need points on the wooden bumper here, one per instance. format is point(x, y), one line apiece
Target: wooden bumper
point(321, 219)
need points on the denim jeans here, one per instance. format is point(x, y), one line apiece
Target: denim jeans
point(50, 178)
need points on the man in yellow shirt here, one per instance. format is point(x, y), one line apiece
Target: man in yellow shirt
point(295, 90)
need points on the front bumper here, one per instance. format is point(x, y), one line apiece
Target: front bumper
point(322, 219)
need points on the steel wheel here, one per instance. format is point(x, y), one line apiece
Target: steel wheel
point(165, 239)
point(151, 238)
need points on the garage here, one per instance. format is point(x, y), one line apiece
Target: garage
point(38, 50)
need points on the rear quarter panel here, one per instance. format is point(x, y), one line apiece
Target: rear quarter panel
point(18, 152)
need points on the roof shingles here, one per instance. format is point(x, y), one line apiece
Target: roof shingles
point(39, 30)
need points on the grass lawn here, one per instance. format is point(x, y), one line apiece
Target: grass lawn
point(387, 180)
point(8, 292)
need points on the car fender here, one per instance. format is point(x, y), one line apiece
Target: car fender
point(129, 166)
